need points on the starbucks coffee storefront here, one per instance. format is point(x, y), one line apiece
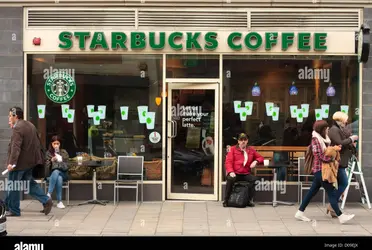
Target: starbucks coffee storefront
point(179, 95)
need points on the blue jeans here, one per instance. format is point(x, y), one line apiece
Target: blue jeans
point(342, 182)
point(56, 180)
point(13, 196)
point(328, 187)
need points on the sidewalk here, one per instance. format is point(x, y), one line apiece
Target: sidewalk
point(184, 218)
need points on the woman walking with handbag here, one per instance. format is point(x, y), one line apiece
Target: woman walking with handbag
point(319, 143)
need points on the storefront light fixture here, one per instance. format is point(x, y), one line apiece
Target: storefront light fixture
point(256, 91)
point(331, 91)
point(293, 89)
point(158, 100)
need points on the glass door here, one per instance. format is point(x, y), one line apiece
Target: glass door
point(192, 122)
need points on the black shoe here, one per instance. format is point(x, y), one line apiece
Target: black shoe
point(224, 203)
point(48, 206)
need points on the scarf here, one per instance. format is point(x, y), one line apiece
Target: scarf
point(321, 140)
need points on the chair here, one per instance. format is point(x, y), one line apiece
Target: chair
point(305, 185)
point(130, 166)
point(65, 185)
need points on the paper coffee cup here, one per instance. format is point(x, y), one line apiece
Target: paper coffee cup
point(345, 109)
point(269, 108)
point(318, 114)
point(150, 120)
point(275, 114)
point(300, 115)
point(70, 115)
point(293, 109)
point(41, 111)
point(248, 107)
point(142, 113)
point(96, 118)
point(305, 110)
point(325, 110)
point(90, 109)
point(102, 111)
point(124, 112)
point(237, 106)
point(266, 162)
point(64, 109)
point(243, 114)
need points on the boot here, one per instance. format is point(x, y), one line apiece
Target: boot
point(343, 218)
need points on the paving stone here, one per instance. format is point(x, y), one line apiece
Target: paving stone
point(88, 232)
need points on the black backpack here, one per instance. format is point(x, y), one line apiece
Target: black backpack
point(239, 196)
point(3, 231)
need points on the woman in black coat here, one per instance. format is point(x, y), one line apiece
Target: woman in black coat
point(339, 135)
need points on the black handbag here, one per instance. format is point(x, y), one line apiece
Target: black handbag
point(239, 196)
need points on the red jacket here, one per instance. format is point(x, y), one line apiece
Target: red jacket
point(235, 159)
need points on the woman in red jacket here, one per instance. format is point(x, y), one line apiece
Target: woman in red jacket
point(239, 162)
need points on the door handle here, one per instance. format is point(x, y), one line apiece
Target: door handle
point(175, 129)
point(170, 131)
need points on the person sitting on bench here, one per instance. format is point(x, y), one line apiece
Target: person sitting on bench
point(239, 162)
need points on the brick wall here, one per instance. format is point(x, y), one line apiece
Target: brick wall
point(11, 71)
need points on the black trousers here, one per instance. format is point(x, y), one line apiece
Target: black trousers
point(251, 179)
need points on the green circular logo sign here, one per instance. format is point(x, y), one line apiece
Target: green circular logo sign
point(60, 87)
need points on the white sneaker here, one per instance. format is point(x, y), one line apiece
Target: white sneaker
point(343, 218)
point(49, 195)
point(300, 216)
point(60, 205)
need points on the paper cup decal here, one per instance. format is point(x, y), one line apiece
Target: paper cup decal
point(243, 114)
point(142, 113)
point(90, 109)
point(345, 109)
point(325, 110)
point(269, 108)
point(275, 114)
point(305, 110)
point(150, 120)
point(41, 111)
point(70, 115)
point(102, 111)
point(300, 115)
point(237, 106)
point(96, 118)
point(64, 109)
point(248, 107)
point(318, 114)
point(124, 112)
point(293, 109)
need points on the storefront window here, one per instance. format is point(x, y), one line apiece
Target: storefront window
point(193, 66)
point(102, 106)
point(276, 102)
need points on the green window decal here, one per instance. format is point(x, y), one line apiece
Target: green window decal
point(60, 87)
point(124, 112)
point(41, 111)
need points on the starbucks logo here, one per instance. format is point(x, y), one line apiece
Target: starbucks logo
point(60, 87)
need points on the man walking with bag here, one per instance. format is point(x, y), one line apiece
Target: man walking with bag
point(24, 154)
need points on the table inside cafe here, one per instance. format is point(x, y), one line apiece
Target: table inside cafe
point(94, 165)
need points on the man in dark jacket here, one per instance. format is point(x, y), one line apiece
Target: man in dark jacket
point(24, 153)
point(239, 162)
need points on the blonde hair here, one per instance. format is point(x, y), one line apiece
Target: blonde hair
point(340, 116)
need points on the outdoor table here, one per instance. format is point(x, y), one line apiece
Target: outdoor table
point(94, 165)
point(275, 202)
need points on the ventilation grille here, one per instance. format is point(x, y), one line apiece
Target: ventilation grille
point(86, 17)
point(298, 19)
point(207, 19)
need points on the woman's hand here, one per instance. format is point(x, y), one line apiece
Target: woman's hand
point(337, 148)
point(54, 158)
